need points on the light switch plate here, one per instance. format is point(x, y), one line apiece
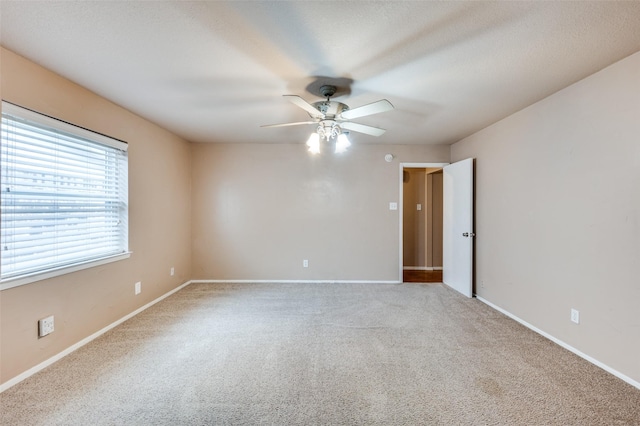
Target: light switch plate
point(575, 316)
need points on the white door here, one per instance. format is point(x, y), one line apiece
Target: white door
point(457, 244)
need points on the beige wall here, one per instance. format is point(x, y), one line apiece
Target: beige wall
point(558, 214)
point(259, 210)
point(159, 225)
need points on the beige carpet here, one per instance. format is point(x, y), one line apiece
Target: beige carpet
point(318, 354)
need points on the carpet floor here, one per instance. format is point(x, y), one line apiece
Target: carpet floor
point(317, 354)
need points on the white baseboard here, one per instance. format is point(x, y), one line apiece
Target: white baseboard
point(563, 344)
point(293, 282)
point(33, 370)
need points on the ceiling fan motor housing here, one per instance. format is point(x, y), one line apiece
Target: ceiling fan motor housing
point(330, 109)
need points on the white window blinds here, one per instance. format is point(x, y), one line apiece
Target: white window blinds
point(64, 194)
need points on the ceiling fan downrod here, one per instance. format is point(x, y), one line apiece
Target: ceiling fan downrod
point(328, 91)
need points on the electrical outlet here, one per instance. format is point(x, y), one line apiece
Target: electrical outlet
point(138, 288)
point(575, 316)
point(45, 326)
point(173, 271)
point(305, 263)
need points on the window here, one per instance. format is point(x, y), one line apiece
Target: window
point(64, 197)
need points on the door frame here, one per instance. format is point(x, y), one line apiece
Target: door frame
point(401, 205)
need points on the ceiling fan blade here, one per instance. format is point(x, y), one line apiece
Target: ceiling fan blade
point(297, 100)
point(382, 105)
point(361, 128)
point(289, 124)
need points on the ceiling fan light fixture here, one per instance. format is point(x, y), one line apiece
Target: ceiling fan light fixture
point(314, 143)
point(328, 129)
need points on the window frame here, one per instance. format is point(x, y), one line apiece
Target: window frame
point(81, 133)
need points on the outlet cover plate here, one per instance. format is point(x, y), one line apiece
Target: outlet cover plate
point(45, 326)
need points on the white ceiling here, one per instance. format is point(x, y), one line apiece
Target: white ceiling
point(215, 71)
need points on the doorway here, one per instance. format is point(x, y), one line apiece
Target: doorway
point(421, 222)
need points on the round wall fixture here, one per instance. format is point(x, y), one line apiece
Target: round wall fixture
point(388, 158)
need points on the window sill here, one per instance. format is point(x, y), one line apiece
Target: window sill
point(28, 279)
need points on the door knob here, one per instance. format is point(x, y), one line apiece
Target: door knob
point(468, 234)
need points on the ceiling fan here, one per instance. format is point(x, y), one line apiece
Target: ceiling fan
point(332, 117)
